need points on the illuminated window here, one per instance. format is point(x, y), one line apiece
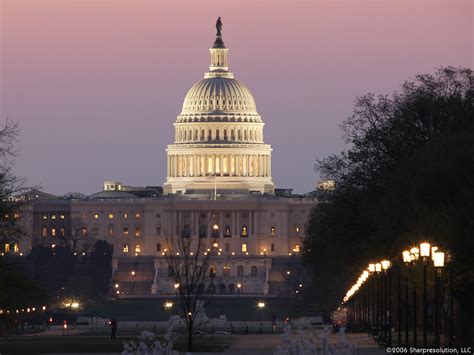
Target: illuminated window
point(244, 232)
point(244, 248)
point(125, 231)
point(297, 229)
point(16, 215)
point(62, 232)
point(227, 232)
point(296, 249)
point(45, 216)
point(7, 248)
point(125, 248)
point(15, 248)
point(125, 216)
point(137, 231)
point(226, 271)
point(111, 230)
point(137, 248)
point(96, 216)
point(138, 216)
point(253, 271)
point(215, 245)
point(158, 247)
point(272, 230)
point(212, 271)
point(53, 232)
point(45, 232)
point(61, 216)
point(84, 215)
point(53, 216)
point(240, 271)
point(111, 216)
point(84, 231)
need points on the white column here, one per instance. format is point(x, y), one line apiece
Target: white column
point(221, 162)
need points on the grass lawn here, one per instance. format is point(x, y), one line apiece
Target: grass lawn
point(96, 344)
point(236, 309)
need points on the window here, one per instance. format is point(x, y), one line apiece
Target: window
point(215, 231)
point(137, 231)
point(15, 248)
point(84, 231)
point(253, 271)
point(138, 215)
point(125, 248)
point(137, 248)
point(7, 248)
point(96, 216)
point(244, 248)
point(272, 230)
point(53, 232)
point(61, 216)
point(212, 271)
point(227, 233)
point(272, 247)
point(110, 230)
point(125, 231)
point(215, 245)
point(158, 230)
point(240, 271)
point(158, 247)
point(227, 247)
point(244, 232)
point(202, 231)
point(111, 216)
point(45, 216)
point(158, 215)
point(226, 271)
point(45, 232)
point(125, 216)
point(16, 215)
point(296, 249)
point(297, 229)
point(62, 232)
point(53, 216)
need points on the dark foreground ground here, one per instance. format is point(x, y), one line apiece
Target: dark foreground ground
point(235, 309)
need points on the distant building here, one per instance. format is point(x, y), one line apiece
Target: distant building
point(218, 187)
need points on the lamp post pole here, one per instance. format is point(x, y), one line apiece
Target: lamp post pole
point(406, 261)
point(389, 307)
point(438, 261)
point(425, 249)
point(399, 294)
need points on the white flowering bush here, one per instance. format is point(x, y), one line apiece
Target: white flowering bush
point(148, 344)
point(313, 343)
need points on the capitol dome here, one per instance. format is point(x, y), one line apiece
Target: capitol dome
point(219, 134)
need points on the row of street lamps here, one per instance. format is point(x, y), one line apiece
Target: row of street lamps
point(369, 301)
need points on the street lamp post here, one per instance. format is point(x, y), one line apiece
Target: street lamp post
point(406, 260)
point(399, 304)
point(378, 270)
point(438, 261)
point(415, 253)
point(372, 297)
point(261, 305)
point(386, 265)
point(425, 249)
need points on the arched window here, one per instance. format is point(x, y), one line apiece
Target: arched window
point(212, 271)
point(244, 232)
point(272, 230)
point(137, 249)
point(253, 271)
point(111, 230)
point(240, 271)
point(227, 233)
point(215, 231)
point(226, 271)
point(217, 134)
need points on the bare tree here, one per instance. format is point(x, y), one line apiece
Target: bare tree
point(77, 239)
point(188, 263)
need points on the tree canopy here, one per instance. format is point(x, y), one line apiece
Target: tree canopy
point(405, 176)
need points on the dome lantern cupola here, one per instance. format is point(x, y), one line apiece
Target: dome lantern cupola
point(219, 66)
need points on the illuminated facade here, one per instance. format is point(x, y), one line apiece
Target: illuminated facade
point(219, 188)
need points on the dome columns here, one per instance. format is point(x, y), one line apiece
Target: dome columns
point(225, 164)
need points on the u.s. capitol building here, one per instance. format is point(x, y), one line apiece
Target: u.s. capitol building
point(219, 188)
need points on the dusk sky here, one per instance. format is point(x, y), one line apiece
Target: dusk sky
point(97, 85)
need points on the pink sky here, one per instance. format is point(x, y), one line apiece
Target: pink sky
point(96, 85)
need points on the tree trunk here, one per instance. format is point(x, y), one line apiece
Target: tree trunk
point(190, 337)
